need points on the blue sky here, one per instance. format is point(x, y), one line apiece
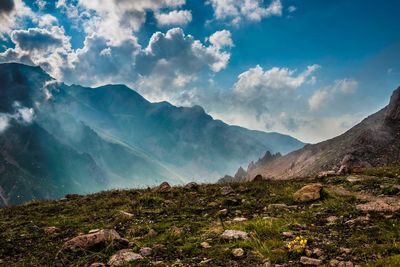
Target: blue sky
point(311, 69)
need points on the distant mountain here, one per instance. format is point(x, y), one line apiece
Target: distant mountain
point(57, 139)
point(373, 142)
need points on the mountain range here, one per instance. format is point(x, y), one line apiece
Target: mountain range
point(373, 142)
point(58, 139)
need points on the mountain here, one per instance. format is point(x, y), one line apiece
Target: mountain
point(373, 142)
point(58, 139)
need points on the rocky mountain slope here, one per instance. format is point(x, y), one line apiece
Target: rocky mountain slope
point(349, 220)
point(57, 139)
point(373, 142)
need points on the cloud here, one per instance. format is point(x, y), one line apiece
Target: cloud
point(292, 9)
point(6, 6)
point(22, 115)
point(47, 20)
point(221, 39)
point(322, 96)
point(4, 122)
point(13, 13)
point(175, 17)
point(237, 11)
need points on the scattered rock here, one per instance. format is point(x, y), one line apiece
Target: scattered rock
point(223, 212)
point(192, 186)
point(317, 252)
point(92, 231)
point(287, 234)
point(345, 264)
point(345, 250)
point(163, 188)
point(205, 245)
point(51, 230)
point(278, 206)
point(226, 190)
point(123, 257)
point(358, 219)
point(234, 234)
point(127, 214)
point(378, 205)
point(145, 251)
point(100, 237)
point(310, 261)
point(353, 179)
point(238, 252)
point(97, 264)
point(308, 193)
point(333, 263)
point(332, 219)
point(152, 233)
point(176, 231)
point(326, 174)
point(239, 219)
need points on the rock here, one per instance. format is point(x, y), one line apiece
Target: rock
point(317, 252)
point(358, 219)
point(123, 257)
point(152, 233)
point(234, 234)
point(101, 237)
point(308, 193)
point(92, 231)
point(176, 231)
point(326, 174)
point(332, 219)
point(192, 186)
point(97, 264)
point(353, 179)
point(238, 252)
point(258, 178)
point(287, 234)
point(310, 261)
point(239, 219)
point(72, 196)
point(205, 245)
point(278, 206)
point(333, 263)
point(163, 188)
point(145, 251)
point(378, 205)
point(345, 250)
point(226, 190)
point(127, 214)
point(51, 230)
point(223, 212)
point(345, 264)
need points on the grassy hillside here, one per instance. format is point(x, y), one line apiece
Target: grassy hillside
point(350, 222)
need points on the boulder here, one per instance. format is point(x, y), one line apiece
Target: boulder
point(163, 188)
point(326, 174)
point(226, 190)
point(50, 230)
point(192, 186)
point(308, 193)
point(124, 257)
point(205, 245)
point(145, 251)
point(99, 238)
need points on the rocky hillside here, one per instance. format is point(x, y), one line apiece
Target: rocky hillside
point(349, 220)
point(373, 142)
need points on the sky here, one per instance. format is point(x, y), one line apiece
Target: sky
point(311, 69)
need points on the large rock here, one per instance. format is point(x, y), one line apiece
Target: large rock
point(163, 188)
point(308, 193)
point(123, 257)
point(310, 261)
point(98, 238)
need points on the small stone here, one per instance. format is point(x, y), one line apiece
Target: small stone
point(308, 193)
point(90, 240)
point(223, 212)
point(345, 264)
point(326, 174)
point(127, 214)
point(152, 233)
point(93, 231)
point(145, 251)
point(176, 231)
point(278, 206)
point(51, 230)
point(308, 252)
point(317, 252)
point(238, 252)
point(345, 250)
point(97, 264)
point(234, 234)
point(310, 261)
point(205, 245)
point(287, 234)
point(226, 190)
point(332, 219)
point(123, 257)
point(239, 219)
point(358, 219)
point(333, 263)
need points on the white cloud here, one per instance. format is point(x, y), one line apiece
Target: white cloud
point(237, 11)
point(174, 17)
point(345, 86)
point(221, 39)
point(318, 99)
point(47, 20)
point(4, 122)
point(292, 9)
point(13, 14)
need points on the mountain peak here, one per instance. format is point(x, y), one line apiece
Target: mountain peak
point(393, 109)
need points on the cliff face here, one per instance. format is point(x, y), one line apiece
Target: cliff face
point(373, 142)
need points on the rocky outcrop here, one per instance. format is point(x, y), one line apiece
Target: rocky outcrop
point(95, 238)
point(393, 109)
point(308, 193)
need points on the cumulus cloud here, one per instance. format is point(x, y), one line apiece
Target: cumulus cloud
point(12, 15)
point(221, 39)
point(237, 11)
point(322, 96)
point(174, 17)
point(22, 115)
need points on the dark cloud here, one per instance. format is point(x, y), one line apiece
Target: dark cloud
point(35, 40)
point(6, 6)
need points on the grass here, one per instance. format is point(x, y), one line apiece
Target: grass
point(195, 212)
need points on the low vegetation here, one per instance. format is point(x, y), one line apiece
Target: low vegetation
point(183, 226)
